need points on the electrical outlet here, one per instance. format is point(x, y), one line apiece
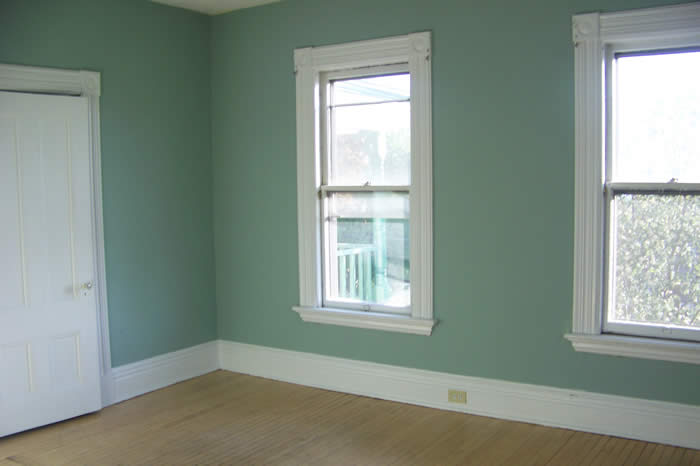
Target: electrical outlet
point(456, 396)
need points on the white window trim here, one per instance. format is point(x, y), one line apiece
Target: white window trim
point(310, 62)
point(592, 33)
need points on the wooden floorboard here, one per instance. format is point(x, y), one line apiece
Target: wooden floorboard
point(227, 418)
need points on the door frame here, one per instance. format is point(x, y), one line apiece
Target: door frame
point(83, 83)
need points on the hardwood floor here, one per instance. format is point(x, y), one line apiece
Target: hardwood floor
point(226, 418)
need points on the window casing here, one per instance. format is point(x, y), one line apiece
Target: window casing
point(602, 193)
point(344, 280)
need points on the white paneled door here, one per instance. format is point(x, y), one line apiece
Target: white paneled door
point(48, 321)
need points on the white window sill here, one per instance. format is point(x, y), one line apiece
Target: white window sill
point(637, 347)
point(360, 319)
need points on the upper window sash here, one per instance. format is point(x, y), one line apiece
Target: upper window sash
point(616, 172)
point(326, 81)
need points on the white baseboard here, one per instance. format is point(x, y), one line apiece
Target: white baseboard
point(151, 374)
point(652, 421)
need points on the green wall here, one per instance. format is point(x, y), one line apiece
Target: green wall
point(156, 155)
point(503, 201)
point(503, 176)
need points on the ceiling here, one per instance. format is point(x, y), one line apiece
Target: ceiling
point(214, 7)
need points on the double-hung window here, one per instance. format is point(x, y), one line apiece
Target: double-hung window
point(365, 187)
point(652, 193)
point(364, 184)
point(637, 256)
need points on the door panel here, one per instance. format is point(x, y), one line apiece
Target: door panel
point(15, 369)
point(64, 354)
point(12, 272)
point(48, 320)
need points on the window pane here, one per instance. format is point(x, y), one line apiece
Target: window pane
point(657, 259)
point(372, 144)
point(657, 126)
point(368, 247)
point(373, 89)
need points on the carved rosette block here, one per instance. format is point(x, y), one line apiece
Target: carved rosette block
point(90, 83)
point(302, 58)
point(420, 45)
point(586, 27)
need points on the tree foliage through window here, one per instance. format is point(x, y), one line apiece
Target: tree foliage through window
point(657, 260)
